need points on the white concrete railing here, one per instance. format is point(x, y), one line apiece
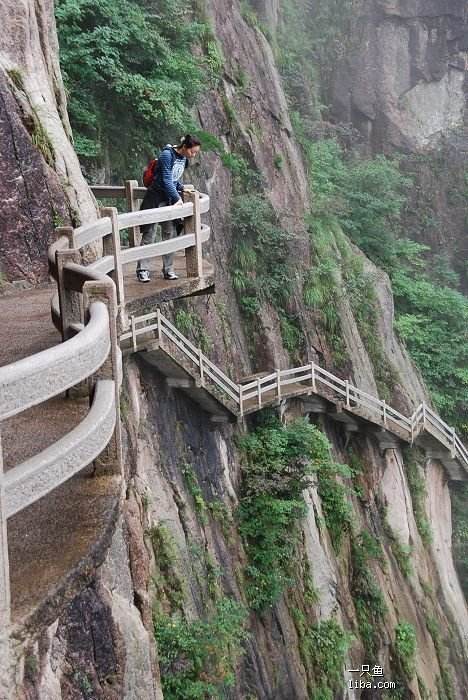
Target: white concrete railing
point(92, 354)
point(249, 397)
point(65, 264)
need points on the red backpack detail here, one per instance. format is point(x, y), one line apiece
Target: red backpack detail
point(149, 172)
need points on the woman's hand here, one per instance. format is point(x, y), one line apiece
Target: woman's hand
point(179, 203)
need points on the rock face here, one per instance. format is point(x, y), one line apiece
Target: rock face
point(402, 82)
point(44, 187)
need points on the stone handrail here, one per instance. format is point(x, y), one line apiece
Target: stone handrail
point(64, 256)
point(91, 354)
point(35, 379)
point(36, 477)
point(306, 379)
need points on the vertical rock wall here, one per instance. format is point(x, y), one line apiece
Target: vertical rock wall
point(43, 187)
point(403, 80)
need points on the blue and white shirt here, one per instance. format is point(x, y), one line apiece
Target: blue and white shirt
point(169, 171)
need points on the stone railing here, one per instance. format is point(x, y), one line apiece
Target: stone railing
point(65, 254)
point(88, 310)
point(93, 355)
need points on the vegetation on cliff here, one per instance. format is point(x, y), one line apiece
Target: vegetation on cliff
point(131, 76)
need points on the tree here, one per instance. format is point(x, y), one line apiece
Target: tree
point(131, 76)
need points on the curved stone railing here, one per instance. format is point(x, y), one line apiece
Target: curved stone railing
point(86, 312)
point(65, 257)
point(242, 399)
point(93, 355)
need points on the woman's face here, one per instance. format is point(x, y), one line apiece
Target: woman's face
point(192, 152)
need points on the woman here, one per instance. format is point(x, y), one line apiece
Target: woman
point(166, 189)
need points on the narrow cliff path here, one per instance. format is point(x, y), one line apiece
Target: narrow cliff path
point(64, 533)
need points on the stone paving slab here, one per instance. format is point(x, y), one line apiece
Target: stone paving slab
point(25, 324)
point(139, 296)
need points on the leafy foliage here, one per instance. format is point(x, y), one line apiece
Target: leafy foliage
point(197, 658)
point(337, 510)
point(418, 494)
point(189, 323)
point(261, 271)
point(168, 584)
point(459, 497)
point(433, 321)
point(130, 75)
point(366, 198)
point(327, 643)
point(322, 284)
point(277, 468)
point(278, 463)
point(445, 683)
point(368, 599)
point(405, 647)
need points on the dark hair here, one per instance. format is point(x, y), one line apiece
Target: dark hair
point(189, 141)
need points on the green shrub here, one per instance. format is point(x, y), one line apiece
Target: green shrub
point(326, 644)
point(433, 322)
point(168, 584)
point(291, 333)
point(278, 161)
point(229, 109)
point(277, 463)
point(322, 287)
point(359, 288)
point(197, 659)
point(40, 139)
point(405, 647)
point(403, 556)
point(337, 509)
point(195, 491)
point(445, 684)
point(269, 526)
point(236, 164)
point(367, 596)
point(260, 268)
point(189, 323)
point(125, 67)
point(418, 495)
point(459, 497)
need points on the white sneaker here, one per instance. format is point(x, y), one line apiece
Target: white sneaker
point(143, 276)
point(170, 275)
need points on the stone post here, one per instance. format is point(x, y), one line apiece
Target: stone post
point(68, 232)
point(134, 231)
point(110, 460)
point(70, 302)
point(6, 675)
point(193, 255)
point(111, 246)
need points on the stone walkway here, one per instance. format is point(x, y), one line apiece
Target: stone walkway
point(56, 544)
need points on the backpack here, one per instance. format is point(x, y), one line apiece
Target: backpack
point(149, 172)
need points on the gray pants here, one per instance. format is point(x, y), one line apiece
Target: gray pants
point(148, 231)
